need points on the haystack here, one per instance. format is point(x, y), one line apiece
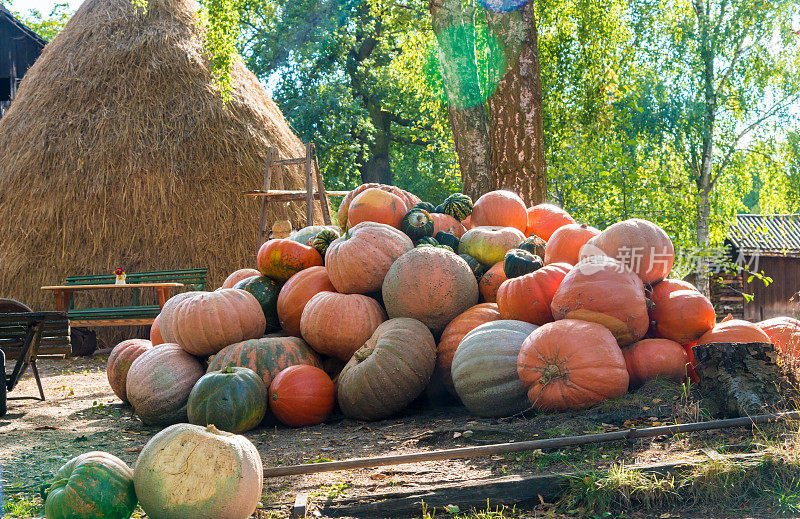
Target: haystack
point(119, 151)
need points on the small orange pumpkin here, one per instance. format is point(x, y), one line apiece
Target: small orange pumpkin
point(457, 330)
point(302, 395)
point(500, 209)
point(155, 332)
point(297, 292)
point(528, 298)
point(683, 316)
point(784, 332)
point(665, 287)
point(490, 282)
point(446, 223)
point(377, 205)
point(119, 362)
point(571, 364)
point(410, 199)
point(281, 259)
point(237, 276)
point(544, 219)
point(564, 245)
point(734, 330)
point(653, 358)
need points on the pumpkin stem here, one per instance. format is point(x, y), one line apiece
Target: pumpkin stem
point(212, 429)
point(552, 372)
point(363, 353)
point(229, 369)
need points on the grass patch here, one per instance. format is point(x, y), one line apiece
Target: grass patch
point(22, 505)
point(453, 512)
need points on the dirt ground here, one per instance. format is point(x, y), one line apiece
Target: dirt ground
point(81, 414)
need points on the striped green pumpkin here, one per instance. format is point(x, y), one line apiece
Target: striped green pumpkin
point(417, 223)
point(233, 399)
point(323, 240)
point(427, 206)
point(457, 205)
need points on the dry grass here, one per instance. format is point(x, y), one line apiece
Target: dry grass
point(119, 151)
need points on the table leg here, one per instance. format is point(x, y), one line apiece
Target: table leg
point(163, 295)
point(62, 300)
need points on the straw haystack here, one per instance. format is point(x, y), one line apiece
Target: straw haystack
point(119, 151)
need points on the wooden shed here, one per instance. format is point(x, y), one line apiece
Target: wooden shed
point(760, 243)
point(19, 48)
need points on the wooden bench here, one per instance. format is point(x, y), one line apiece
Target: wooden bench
point(26, 336)
point(136, 314)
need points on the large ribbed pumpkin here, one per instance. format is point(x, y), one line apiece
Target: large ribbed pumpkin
point(682, 316)
point(455, 331)
point(653, 358)
point(281, 259)
point(784, 333)
point(205, 322)
point(296, 292)
point(359, 260)
point(389, 371)
point(490, 244)
point(92, 485)
point(639, 244)
point(159, 382)
point(119, 362)
point(446, 223)
point(301, 396)
point(501, 209)
point(571, 364)
point(410, 199)
point(491, 281)
point(192, 472)
point(527, 298)
point(431, 285)
point(233, 399)
point(237, 276)
point(155, 331)
point(377, 205)
point(602, 290)
point(267, 356)
point(338, 324)
point(734, 330)
point(544, 219)
point(564, 246)
point(266, 291)
point(484, 368)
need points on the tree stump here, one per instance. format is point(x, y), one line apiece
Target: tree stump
point(744, 379)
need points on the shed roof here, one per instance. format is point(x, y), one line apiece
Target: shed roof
point(767, 234)
point(7, 17)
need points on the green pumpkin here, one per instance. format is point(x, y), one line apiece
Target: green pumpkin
point(475, 266)
point(323, 240)
point(534, 245)
point(445, 247)
point(427, 241)
point(234, 400)
point(519, 262)
point(439, 209)
point(417, 223)
point(92, 485)
point(266, 291)
point(427, 206)
point(306, 235)
point(457, 205)
point(445, 238)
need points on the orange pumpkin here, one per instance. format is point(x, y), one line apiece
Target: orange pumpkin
point(683, 316)
point(203, 323)
point(457, 330)
point(489, 245)
point(119, 362)
point(338, 324)
point(602, 290)
point(446, 223)
point(466, 222)
point(491, 281)
point(653, 358)
point(784, 333)
point(564, 245)
point(691, 364)
point(358, 261)
point(641, 245)
point(155, 332)
point(528, 298)
point(665, 287)
point(500, 209)
point(297, 292)
point(377, 205)
point(544, 219)
point(237, 276)
point(410, 199)
point(302, 395)
point(571, 364)
point(431, 285)
point(734, 330)
point(282, 258)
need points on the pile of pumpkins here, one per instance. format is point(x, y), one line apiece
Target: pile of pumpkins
point(509, 308)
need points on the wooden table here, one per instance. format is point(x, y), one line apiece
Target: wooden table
point(64, 293)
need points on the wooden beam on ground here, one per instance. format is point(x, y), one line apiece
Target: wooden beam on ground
point(300, 506)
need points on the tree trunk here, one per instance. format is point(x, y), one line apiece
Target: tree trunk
point(515, 108)
point(455, 32)
point(378, 167)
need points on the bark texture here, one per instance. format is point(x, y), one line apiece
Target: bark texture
point(515, 108)
point(455, 32)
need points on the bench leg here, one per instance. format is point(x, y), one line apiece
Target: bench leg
point(38, 380)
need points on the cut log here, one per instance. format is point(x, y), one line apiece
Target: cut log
point(743, 379)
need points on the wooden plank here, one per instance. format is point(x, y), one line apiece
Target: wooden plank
point(263, 232)
point(309, 188)
point(112, 322)
point(323, 195)
point(110, 286)
point(283, 213)
point(300, 506)
point(271, 193)
point(289, 162)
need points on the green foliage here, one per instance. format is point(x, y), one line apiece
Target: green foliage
point(46, 26)
point(220, 19)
